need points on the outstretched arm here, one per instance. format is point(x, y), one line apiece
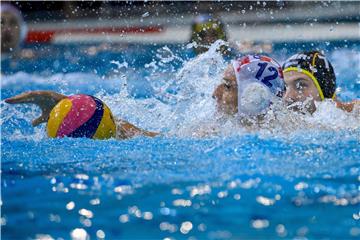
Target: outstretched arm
point(46, 100)
point(125, 130)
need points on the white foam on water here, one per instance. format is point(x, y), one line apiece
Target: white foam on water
point(191, 105)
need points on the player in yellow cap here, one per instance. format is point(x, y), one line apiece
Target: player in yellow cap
point(206, 29)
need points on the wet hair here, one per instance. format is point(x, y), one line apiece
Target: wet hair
point(315, 65)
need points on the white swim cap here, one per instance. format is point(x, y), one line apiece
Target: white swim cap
point(260, 81)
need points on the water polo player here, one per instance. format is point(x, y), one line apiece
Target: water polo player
point(13, 28)
point(310, 77)
point(206, 29)
point(251, 84)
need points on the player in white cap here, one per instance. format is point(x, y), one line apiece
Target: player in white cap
point(251, 84)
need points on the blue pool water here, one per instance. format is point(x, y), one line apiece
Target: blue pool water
point(278, 182)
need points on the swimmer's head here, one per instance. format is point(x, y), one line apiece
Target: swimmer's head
point(206, 29)
point(13, 29)
point(309, 77)
point(251, 84)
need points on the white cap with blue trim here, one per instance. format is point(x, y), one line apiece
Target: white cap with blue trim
point(260, 81)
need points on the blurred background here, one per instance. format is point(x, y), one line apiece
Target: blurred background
point(102, 37)
point(164, 22)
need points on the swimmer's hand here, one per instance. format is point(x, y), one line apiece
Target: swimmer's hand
point(46, 100)
point(349, 106)
point(125, 130)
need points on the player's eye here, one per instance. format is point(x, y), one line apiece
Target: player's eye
point(301, 84)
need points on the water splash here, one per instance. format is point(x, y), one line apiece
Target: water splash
point(181, 104)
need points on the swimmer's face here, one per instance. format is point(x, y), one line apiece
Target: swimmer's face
point(10, 32)
point(208, 37)
point(226, 93)
point(300, 89)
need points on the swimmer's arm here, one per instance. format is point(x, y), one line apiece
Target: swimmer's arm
point(349, 106)
point(46, 100)
point(125, 130)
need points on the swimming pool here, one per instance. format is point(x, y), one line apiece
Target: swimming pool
point(280, 183)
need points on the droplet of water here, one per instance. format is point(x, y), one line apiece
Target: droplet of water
point(260, 223)
point(79, 234)
point(100, 234)
point(145, 15)
point(186, 227)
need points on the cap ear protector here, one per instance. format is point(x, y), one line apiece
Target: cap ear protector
point(260, 81)
point(318, 68)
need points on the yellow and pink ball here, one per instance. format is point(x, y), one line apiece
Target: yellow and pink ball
point(81, 116)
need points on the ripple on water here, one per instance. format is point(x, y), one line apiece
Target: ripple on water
point(288, 180)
